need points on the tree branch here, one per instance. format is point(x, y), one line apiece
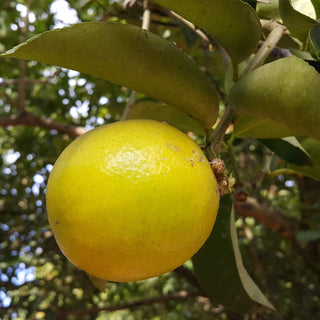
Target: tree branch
point(28, 119)
point(181, 295)
point(29, 81)
point(189, 24)
point(22, 90)
point(191, 278)
point(145, 25)
point(272, 219)
point(275, 35)
point(277, 31)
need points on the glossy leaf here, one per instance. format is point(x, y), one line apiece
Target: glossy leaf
point(306, 7)
point(233, 23)
point(218, 265)
point(297, 23)
point(130, 56)
point(288, 151)
point(274, 91)
point(150, 109)
point(263, 128)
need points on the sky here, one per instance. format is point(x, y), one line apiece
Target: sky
point(64, 16)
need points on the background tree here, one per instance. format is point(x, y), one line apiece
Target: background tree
point(43, 108)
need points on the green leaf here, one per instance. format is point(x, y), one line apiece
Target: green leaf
point(311, 172)
point(249, 285)
point(297, 23)
point(314, 37)
point(316, 5)
point(233, 23)
point(306, 7)
point(288, 151)
point(312, 146)
point(150, 109)
point(269, 10)
point(218, 265)
point(130, 56)
point(309, 235)
point(274, 91)
point(256, 127)
point(229, 74)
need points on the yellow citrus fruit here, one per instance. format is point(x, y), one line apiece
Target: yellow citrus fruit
point(131, 200)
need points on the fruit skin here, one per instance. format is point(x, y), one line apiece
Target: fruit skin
point(131, 200)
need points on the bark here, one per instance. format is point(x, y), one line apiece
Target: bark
point(269, 217)
point(28, 119)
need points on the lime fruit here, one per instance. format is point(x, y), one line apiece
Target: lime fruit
point(131, 200)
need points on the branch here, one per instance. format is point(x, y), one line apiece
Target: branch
point(275, 35)
point(131, 102)
point(191, 278)
point(277, 31)
point(29, 81)
point(145, 25)
point(220, 131)
point(272, 219)
point(28, 119)
point(181, 295)
point(189, 24)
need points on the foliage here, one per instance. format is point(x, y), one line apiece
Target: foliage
point(271, 147)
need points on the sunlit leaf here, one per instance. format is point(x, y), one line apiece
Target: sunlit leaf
point(297, 23)
point(233, 23)
point(130, 56)
point(269, 9)
point(306, 7)
point(316, 6)
point(256, 127)
point(286, 90)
